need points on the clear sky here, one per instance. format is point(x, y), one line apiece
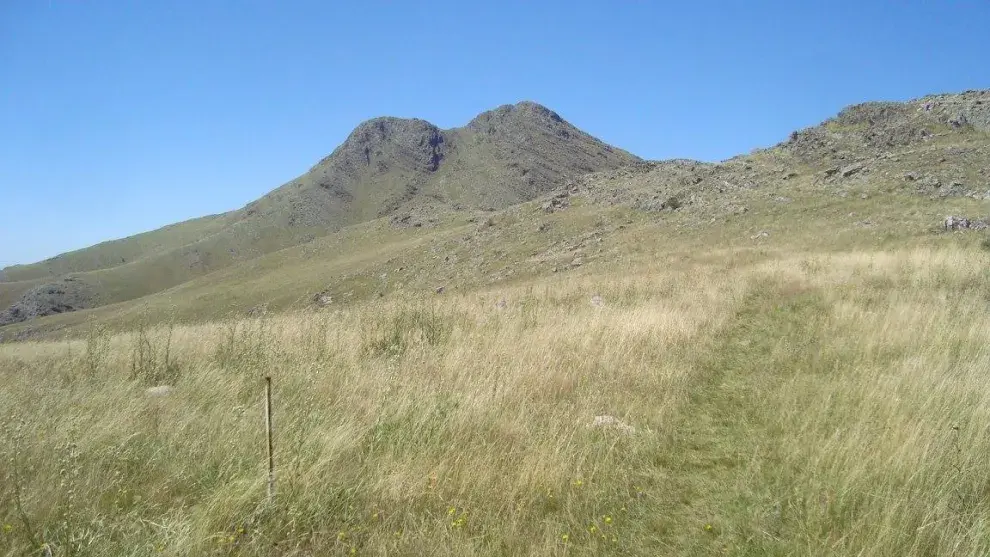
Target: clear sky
point(118, 117)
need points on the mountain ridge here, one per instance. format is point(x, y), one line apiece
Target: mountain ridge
point(385, 166)
point(408, 173)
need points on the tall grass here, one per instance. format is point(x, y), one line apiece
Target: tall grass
point(831, 404)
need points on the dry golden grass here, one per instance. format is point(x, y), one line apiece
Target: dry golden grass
point(787, 404)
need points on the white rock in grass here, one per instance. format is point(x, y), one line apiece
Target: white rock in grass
point(597, 301)
point(159, 391)
point(611, 422)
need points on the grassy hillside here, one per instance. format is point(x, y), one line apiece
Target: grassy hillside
point(375, 260)
point(388, 167)
point(114, 253)
point(784, 354)
point(414, 175)
point(906, 189)
point(802, 395)
point(10, 292)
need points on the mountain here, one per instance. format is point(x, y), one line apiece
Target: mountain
point(936, 147)
point(403, 206)
point(409, 167)
point(405, 169)
point(781, 353)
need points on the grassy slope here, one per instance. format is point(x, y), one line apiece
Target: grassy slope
point(817, 390)
point(523, 242)
point(114, 253)
point(481, 167)
point(791, 395)
point(10, 292)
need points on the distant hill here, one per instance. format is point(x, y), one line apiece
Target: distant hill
point(397, 183)
point(936, 146)
point(407, 169)
point(411, 169)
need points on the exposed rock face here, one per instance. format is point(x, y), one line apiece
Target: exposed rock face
point(874, 127)
point(64, 295)
point(970, 108)
point(396, 166)
point(382, 144)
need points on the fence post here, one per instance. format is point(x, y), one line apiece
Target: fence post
point(268, 435)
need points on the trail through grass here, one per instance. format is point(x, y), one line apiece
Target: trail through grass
point(811, 404)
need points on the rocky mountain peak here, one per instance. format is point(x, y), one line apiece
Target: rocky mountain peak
point(522, 115)
point(381, 142)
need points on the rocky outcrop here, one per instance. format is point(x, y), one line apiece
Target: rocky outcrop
point(874, 127)
point(61, 296)
point(967, 109)
point(963, 223)
point(556, 203)
point(383, 143)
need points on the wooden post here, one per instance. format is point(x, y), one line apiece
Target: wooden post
point(268, 435)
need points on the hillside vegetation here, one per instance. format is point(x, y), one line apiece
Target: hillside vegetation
point(395, 177)
point(781, 354)
point(783, 400)
point(404, 169)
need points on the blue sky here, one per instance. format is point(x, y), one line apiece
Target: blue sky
point(120, 117)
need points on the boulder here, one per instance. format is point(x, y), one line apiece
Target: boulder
point(158, 391)
point(612, 423)
point(851, 169)
point(558, 203)
point(323, 299)
point(963, 223)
